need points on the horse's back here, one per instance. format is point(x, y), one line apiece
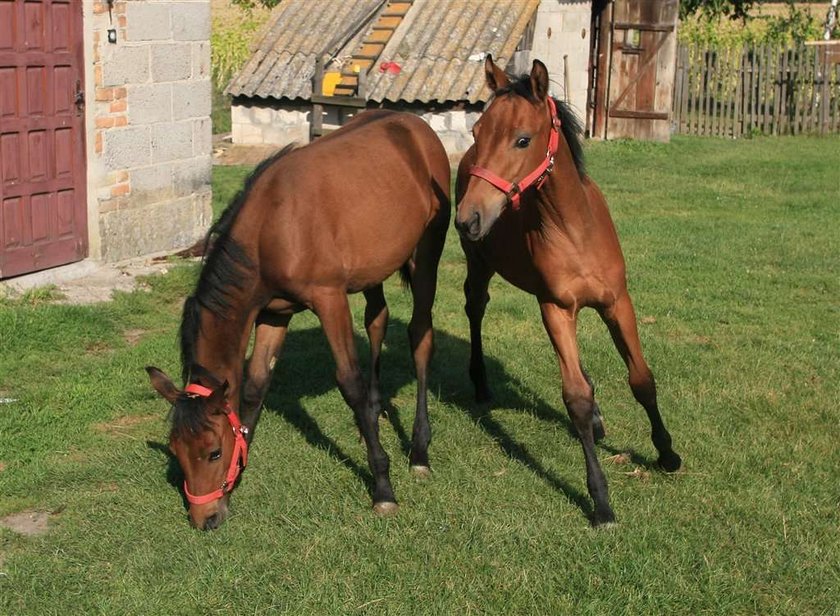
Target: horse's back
point(349, 209)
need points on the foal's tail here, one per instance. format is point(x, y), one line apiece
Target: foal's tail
point(405, 275)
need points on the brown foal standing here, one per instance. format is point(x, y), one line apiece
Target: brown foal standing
point(311, 225)
point(550, 234)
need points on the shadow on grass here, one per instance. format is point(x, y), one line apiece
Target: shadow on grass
point(174, 474)
point(306, 369)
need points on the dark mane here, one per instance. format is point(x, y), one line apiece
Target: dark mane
point(569, 122)
point(186, 416)
point(224, 271)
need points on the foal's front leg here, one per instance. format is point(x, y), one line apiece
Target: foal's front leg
point(270, 334)
point(477, 297)
point(333, 310)
point(561, 325)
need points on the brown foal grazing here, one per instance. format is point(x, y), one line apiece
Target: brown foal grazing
point(310, 226)
point(551, 235)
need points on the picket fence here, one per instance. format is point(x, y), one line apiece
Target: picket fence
point(757, 90)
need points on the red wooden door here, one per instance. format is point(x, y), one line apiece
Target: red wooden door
point(43, 214)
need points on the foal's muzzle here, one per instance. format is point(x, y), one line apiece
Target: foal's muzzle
point(470, 228)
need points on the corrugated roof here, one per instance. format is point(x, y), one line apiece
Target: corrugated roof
point(440, 47)
point(299, 31)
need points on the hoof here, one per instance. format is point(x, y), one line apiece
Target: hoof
point(603, 520)
point(483, 395)
point(670, 462)
point(420, 471)
point(385, 509)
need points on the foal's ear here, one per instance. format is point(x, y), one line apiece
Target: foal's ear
point(539, 80)
point(496, 78)
point(163, 384)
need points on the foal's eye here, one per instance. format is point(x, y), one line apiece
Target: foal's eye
point(523, 142)
point(215, 455)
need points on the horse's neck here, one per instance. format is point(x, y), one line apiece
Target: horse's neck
point(220, 347)
point(563, 200)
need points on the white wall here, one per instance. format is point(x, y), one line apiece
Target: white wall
point(285, 123)
point(562, 36)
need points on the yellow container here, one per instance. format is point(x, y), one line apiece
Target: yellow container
point(330, 82)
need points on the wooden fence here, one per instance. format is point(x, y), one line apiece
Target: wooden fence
point(757, 90)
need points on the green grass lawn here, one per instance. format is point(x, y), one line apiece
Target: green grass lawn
point(732, 251)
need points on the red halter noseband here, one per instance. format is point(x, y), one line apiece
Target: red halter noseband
point(240, 451)
point(538, 176)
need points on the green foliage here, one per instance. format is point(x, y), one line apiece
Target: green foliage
point(731, 249)
point(709, 29)
point(230, 47)
point(231, 42)
point(799, 25)
point(715, 9)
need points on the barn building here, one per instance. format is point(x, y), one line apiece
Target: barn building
point(105, 136)
point(319, 63)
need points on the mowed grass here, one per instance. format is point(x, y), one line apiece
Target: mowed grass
point(732, 251)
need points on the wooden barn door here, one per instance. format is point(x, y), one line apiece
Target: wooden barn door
point(641, 73)
point(43, 216)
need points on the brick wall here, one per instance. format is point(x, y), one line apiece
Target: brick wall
point(150, 160)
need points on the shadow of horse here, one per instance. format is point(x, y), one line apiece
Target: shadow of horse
point(306, 369)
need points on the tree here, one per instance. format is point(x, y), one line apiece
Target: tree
point(714, 9)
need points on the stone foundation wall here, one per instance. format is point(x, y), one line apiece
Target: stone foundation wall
point(150, 137)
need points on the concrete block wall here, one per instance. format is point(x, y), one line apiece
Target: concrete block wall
point(283, 123)
point(150, 161)
point(562, 36)
point(256, 124)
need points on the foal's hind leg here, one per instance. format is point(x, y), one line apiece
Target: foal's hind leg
point(475, 291)
point(561, 323)
point(421, 337)
point(376, 323)
point(333, 310)
point(598, 429)
point(268, 341)
point(621, 321)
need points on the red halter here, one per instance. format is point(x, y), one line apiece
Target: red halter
point(538, 176)
point(240, 451)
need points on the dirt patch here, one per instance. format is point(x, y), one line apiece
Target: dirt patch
point(639, 474)
point(227, 153)
point(29, 523)
point(133, 336)
point(97, 348)
point(88, 282)
point(2, 466)
point(118, 426)
point(619, 458)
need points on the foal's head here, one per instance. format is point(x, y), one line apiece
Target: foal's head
point(511, 140)
point(201, 438)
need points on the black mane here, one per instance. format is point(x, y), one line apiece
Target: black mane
point(224, 271)
point(570, 124)
point(186, 416)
